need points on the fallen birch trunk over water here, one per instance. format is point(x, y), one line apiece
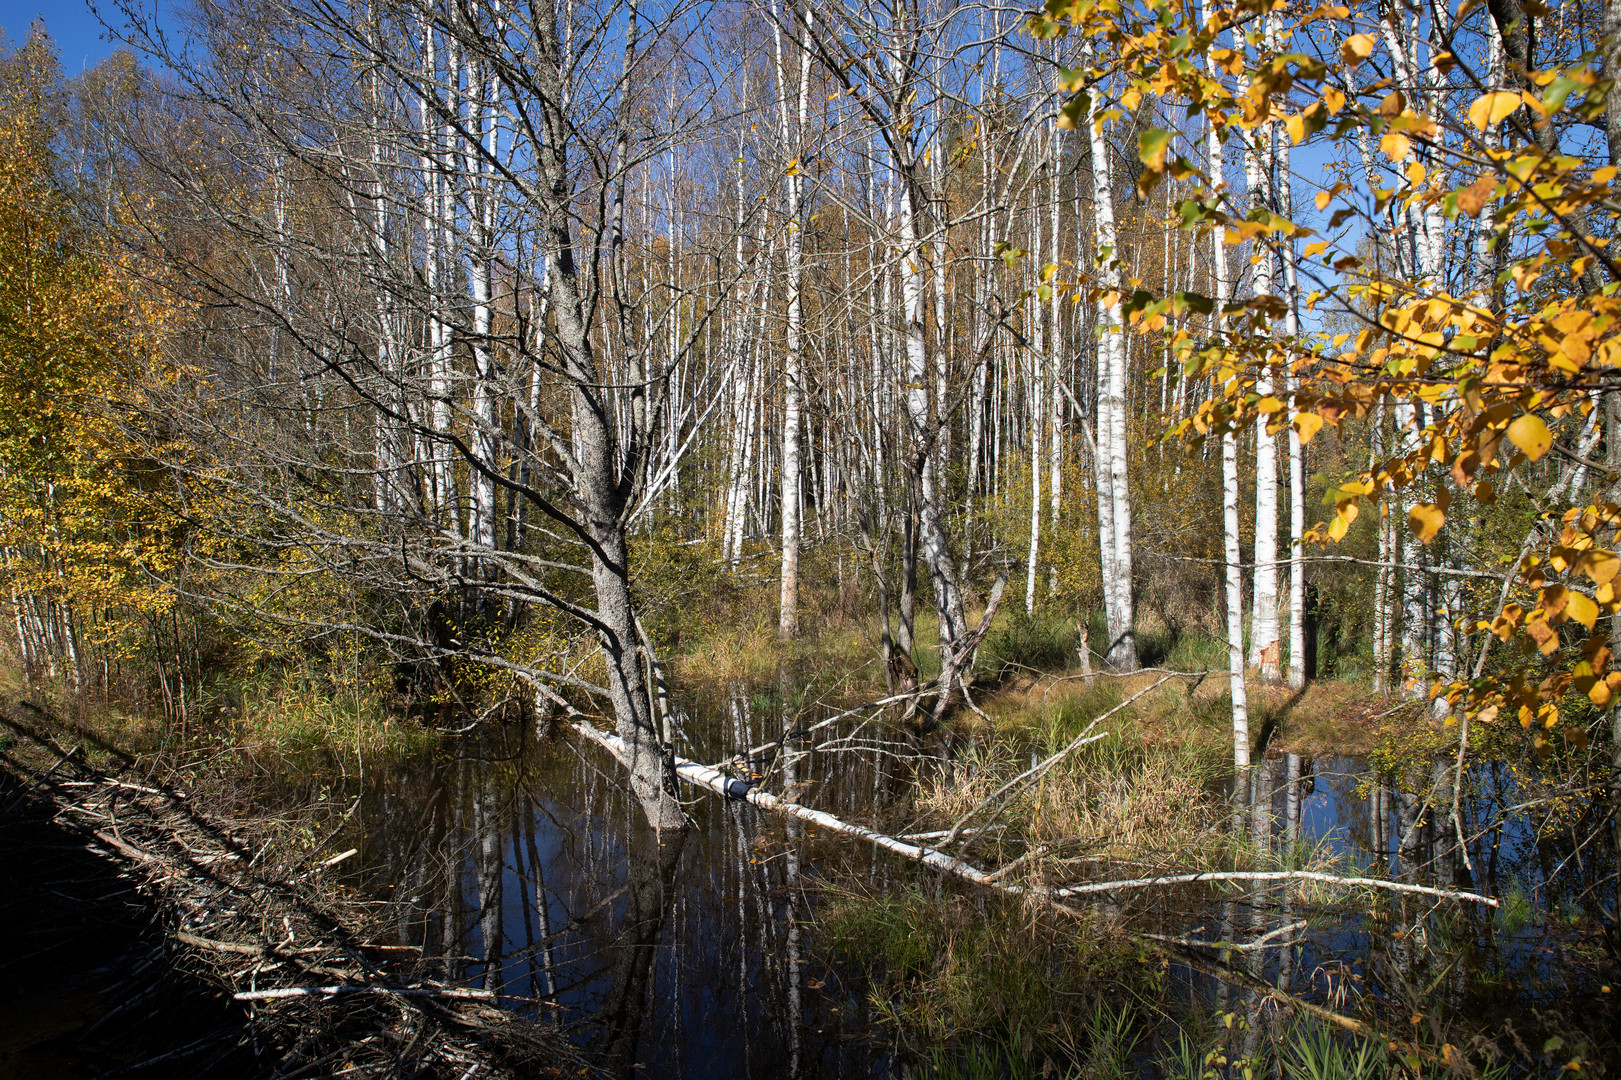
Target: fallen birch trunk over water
point(732, 788)
point(333, 991)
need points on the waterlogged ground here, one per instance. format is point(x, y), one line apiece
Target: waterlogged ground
point(519, 862)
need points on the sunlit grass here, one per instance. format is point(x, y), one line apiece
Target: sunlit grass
point(301, 713)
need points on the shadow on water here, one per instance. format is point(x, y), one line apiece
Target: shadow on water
point(88, 984)
point(519, 864)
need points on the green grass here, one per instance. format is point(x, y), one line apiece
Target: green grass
point(942, 965)
point(1317, 1052)
point(307, 715)
point(1045, 641)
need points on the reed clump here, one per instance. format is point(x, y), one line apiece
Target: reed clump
point(941, 964)
point(1130, 797)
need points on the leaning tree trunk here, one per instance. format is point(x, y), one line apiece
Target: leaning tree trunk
point(599, 488)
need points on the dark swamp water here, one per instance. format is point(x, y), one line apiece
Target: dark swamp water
point(521, 863)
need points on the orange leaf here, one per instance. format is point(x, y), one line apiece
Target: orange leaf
point(1554, 599)
point(1472, 199)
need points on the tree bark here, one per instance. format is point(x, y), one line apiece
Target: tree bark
point(791, 127)
point(1114, 487)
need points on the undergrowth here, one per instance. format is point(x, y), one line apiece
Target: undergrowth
point(942, 965)
point(976, 988)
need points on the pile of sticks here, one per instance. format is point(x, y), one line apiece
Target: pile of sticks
point(315, 994)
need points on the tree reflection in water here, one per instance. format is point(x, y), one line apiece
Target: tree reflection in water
point(652, 858)
point(520, 864)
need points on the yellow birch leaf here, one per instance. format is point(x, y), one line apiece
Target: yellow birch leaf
point(1396, 146)
point(1600, 565)
point(1531, 435)
point(1425, 520)
point(1490, 109)
point(1308, 424)
point(1582, 609)
point(1356, 48)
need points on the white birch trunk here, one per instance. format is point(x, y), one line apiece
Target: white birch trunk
point(790, 129)
point(1112, 435)
point(1265, 646)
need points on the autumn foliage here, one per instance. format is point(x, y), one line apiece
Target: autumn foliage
point(82, 561)
point(1481, 368)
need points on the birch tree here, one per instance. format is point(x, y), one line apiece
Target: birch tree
point(489, 151)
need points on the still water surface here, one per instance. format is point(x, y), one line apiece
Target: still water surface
point(521, 863)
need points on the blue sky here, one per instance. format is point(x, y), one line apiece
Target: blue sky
point(79, 36)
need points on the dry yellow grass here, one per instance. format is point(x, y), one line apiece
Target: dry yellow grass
point(1119, 801)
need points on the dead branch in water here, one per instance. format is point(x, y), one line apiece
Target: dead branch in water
point(264, 935)
point(1272, 875)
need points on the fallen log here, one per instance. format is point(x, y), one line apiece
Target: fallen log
point(1272, 875)
point(732, 788)
point(283, 992)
